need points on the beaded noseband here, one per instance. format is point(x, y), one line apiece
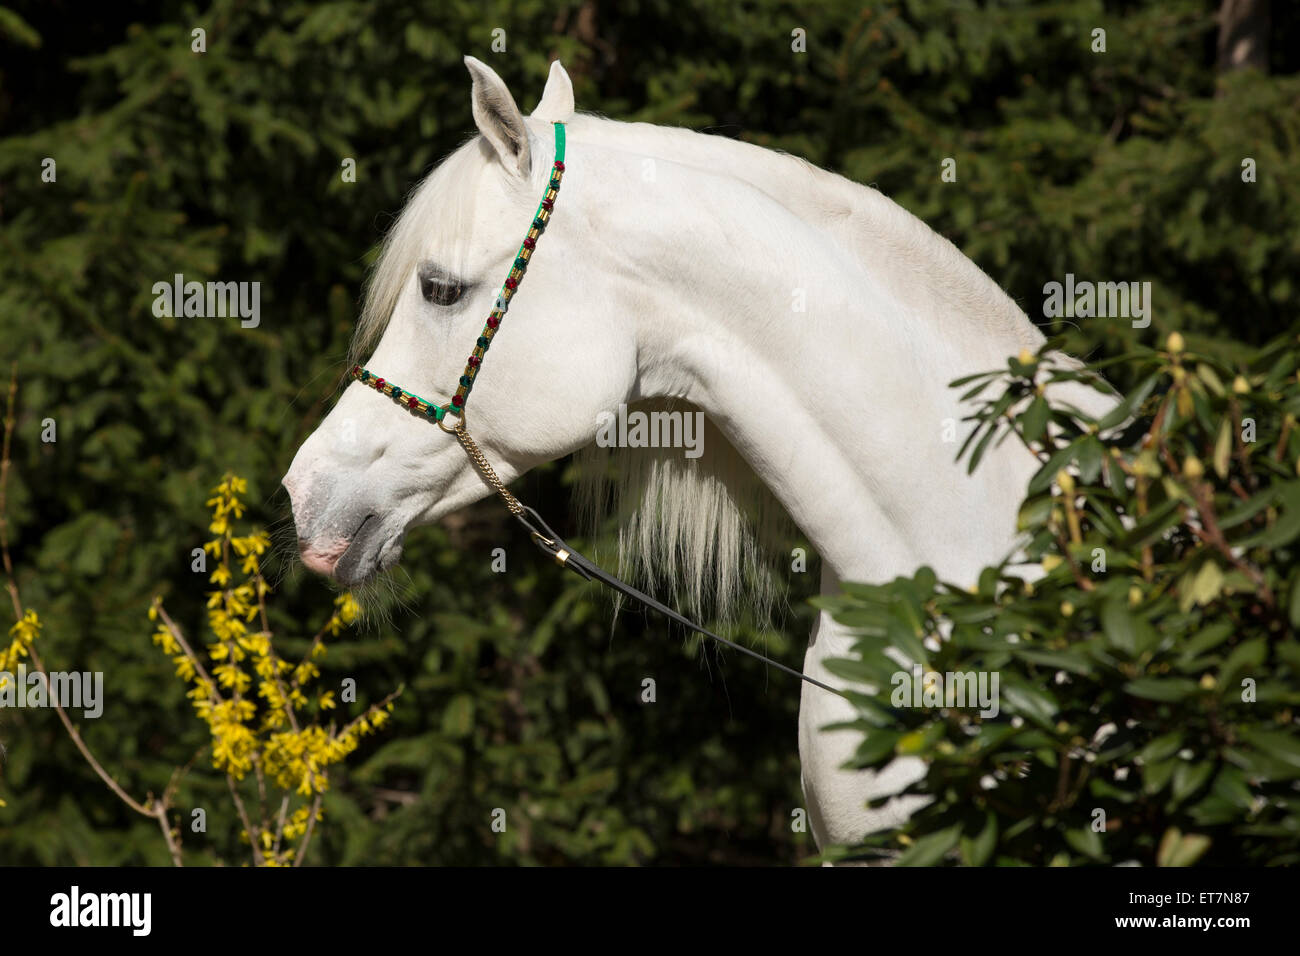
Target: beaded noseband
point(539, 530)
point(456, 406)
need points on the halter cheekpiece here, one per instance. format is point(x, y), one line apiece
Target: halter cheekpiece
point(456, 407)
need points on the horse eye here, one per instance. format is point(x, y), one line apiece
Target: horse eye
point(439, 292)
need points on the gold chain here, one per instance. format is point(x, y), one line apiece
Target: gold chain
point(477, 457)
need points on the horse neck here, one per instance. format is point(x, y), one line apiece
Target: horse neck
point(921, 270)
point(828, 371)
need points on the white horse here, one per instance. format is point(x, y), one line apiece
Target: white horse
point(815, 323)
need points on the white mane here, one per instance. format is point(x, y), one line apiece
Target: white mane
point(705, 530)
point(436, 216)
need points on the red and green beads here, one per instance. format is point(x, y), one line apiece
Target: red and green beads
point(517, 269)
point(516, 275)
point(407, 399)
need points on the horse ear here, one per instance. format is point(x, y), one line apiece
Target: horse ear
point(557, 99)
point(497, 116)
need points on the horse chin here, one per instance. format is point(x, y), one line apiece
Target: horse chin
point(368, 556)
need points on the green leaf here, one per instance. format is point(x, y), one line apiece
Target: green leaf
point(1162, 748)
point(876, 745)
point(1089, 458)
point(862, 670)
point(1087, 841)
point(1156, 774)
point(1245, 657)
point(1287, 526)
point(1034, 512)
point(1179, 849)
point(865, 620)
point(1153, 525)
point(931, 849)
point(917, 743)
point(1202, 588)
point(1047, 474)
point(976, 390)
point(1033, 420)
point(904, 639)
point(1230, 785)
point(976, 851)
point(1120, 626)
point(978, 453)
point(870, 711)
point(458, 718)
point(1032, 702)
point(1072, 661)
point(1161, 688)
point(18, 29)
point(1207, 375)
point(1203, 640)
point(1131, 403)
point(959, 382)
point(1294, 612)
point(1190, 777)
point(1223, 449)
point(1280, 746)
point(1248, 509)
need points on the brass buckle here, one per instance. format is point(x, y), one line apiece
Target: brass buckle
point(560, 555)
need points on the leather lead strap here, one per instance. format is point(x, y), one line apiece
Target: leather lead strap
point(552, 544)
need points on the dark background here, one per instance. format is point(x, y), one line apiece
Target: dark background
point(1123, 165)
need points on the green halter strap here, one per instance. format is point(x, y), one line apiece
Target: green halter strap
point(436, 413)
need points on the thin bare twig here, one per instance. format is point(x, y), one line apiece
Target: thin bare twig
point(145, 809)
point(4, 483)
point(248, 826)
point(306, 837)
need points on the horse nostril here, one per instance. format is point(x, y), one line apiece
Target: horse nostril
point(321, 558)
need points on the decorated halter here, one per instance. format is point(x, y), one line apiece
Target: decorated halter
point(541, 532)
point(437, 413)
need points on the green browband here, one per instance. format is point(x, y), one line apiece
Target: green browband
point(456, 406)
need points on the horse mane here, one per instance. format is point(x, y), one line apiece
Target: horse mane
point(433, 216)
point(706, 530)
